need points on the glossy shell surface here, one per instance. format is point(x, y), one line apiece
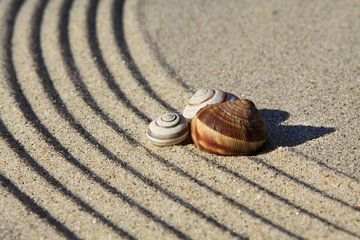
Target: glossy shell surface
point(229, 128)
point(204, 97)
point(168, 129)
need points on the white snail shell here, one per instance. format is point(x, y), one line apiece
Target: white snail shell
point(168, 129)
point(204, 97)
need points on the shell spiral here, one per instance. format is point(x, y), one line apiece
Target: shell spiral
point(168, 129)
point(229, 128)
point(204, 97)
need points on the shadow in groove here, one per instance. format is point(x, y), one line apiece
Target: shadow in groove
point(48, 86)
point(35, 208)
point(19, 149)
point(288, 135)
point(118, 7)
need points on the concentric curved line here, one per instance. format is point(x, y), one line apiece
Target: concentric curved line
point(170, 70)
point(104, 70)
point(160, 57)
point(172, 73)
point(46, 82)
point(97, 55)
point(125, 54)
point(16, 146)
point(31, 117)
point(117, 26)
point(314, 159)
point(64, 113)
point(28, 112)
point(37, 209)
point(260, 161)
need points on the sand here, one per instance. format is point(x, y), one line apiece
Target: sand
point(80, 81)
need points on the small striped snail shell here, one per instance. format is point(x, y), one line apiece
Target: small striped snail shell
point(168, 129)
point(204, 97)
point(229, 128)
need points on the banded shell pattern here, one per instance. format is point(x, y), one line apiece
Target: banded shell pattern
point(229, 128)
point(168, 129)
point(204, 97)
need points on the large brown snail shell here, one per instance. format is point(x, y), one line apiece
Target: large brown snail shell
point(229, 128)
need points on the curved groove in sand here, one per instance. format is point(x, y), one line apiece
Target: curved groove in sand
point(30, 115)
point(54, 96)
point(324, 165)
point(102, 67)
point(16, 146)
point(119, 31)
point(26, 107)
point(157, 53)
point(36, 208)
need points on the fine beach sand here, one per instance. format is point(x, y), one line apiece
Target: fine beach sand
point(80, 81)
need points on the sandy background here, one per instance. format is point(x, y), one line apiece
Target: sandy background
point(79, 82)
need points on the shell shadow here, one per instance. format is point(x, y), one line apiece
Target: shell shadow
point(288, 135)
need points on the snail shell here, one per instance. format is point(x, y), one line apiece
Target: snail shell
point(229, 128)
point(204, 97)
point(168, 129)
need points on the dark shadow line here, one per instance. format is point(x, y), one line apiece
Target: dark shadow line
point(302, 183)
point(125, 54)
point(16, 146)
point(37, 209)
point(308, 157)
point(59, 105)
point(46, 82)
point(102, 66)
point(157, 53)
point(26, 108)
point(275, 195)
